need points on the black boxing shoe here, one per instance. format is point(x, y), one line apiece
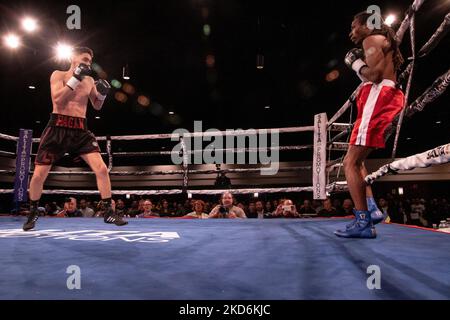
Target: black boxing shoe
point(32, 217)
point(113, 217)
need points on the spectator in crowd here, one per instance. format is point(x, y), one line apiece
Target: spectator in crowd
point(100, 208)
point(242, 206)
point(336, 204)
point(268, 207)
point(208, 206)
point(317, 205)
point(134, 209)
point(226, 209)
point(70, 209)
point(51, 209)
point(307, 209)
point(251, 210)
point(121, 209)
point(199, 211)
point(260, 210)
point(399, 213)
point(274, 204)
point(444, 207)
point(347, 207)
point(147, 212)
point(187, 206)
point(257, 212)
point(86, 212)
point(328, 210)
point(417, 212)
point(286, 209)
point(423, 213)
point(181, 211)
point(384, 206)
point(165, 210)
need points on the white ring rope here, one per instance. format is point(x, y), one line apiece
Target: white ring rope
point(439, 155)
point(334, 187)
point(176, 136)
point(167, 172)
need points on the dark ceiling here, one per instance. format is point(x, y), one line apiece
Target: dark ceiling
point(166, 49)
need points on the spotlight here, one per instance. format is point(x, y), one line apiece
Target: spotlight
point(31, 87)
point(390, 19)
point(127, 196)
point(400, 190)
point(11, 41)
point(189, 195)
point(259, 61)
point(267, 107)
point(210, 61)
point(256, 195)
point(143, 101)
point(206, 30)
point(116, 84)
point(97, 118)
point(128, 89)
point(63, 51)
point(29, 24)
point(331, 76)
point(126, 72)
point(121, 97)
point(171, 113)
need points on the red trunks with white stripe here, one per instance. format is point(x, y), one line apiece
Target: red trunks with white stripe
point(377, 104)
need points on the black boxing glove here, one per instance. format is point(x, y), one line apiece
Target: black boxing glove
point(78, 75)
point(103, 88)
point(354, 60)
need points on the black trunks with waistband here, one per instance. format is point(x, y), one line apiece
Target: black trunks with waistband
point(64, 121)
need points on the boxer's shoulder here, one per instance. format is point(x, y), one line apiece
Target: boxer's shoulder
point(58, 75)
point(89, 80)
point(374, 39)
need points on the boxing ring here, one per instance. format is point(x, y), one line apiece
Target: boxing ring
point(219, 259)
point(232, 259)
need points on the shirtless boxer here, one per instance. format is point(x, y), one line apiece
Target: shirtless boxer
point(378, 102)
point(67, 132)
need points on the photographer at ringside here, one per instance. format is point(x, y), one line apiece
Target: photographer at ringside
point(226, 209)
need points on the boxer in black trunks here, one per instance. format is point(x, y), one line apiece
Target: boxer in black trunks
point(66, 132)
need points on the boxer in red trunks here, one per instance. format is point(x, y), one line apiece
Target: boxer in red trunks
point(378, 102)
point(66, 132)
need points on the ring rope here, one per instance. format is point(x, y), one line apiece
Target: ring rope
point(177, 136)
point(165, 172)
point(334, 187)
point(408, 85)
point(438, 155)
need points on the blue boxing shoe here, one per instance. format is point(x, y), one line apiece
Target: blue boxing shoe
point(361, 228)
point(376, 214)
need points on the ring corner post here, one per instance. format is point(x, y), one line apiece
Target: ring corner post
point(319, 157)
point(23, 164)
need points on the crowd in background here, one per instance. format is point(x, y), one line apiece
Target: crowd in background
point(416, 211)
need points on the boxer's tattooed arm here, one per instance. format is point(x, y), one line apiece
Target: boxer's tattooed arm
point(59, 91)
point(375, 58)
